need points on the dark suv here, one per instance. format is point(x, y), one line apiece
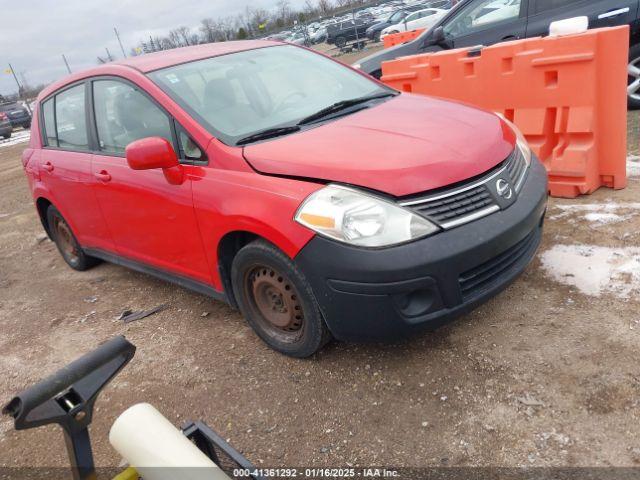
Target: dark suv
point(485, 22)
point(18, 115)
point(342, 32)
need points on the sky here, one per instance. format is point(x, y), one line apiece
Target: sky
point(35, 33)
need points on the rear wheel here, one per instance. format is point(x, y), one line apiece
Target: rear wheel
point(277, 301)
point(633, 89)
point(66, 242)
point(7, 136)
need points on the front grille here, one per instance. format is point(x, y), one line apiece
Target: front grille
point(467, 202)
point(517, 168)
point(474, 282)
point(457, 205)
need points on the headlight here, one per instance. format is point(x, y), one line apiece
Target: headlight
point(357, 218)
point(521, 142)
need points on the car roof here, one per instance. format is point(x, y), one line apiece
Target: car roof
point(167, 58)
point(155, 61)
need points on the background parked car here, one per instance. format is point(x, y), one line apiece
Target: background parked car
point(425, 18)
point(5, 126)
point(345, 31)
point(319, 36)
point(17, 113)
point(375, 30)
point(468, 24)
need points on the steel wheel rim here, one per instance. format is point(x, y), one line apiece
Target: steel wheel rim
point(633, 88)
point(275, 303)
point(65, 241)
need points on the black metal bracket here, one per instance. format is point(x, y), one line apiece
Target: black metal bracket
point(67, 398)
point(217, 449)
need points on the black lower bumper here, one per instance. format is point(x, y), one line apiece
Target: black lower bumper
point(390, 293)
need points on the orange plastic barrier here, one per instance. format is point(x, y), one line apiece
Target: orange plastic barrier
point(402, 37)
point(566, 94)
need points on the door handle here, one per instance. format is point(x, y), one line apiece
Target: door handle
point(103, 176)
point(48, 166)
point(613, 13)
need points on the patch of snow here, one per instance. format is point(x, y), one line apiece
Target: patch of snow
point(633, 166)
point(18, 137)
point(595, 270)
point(604, 218)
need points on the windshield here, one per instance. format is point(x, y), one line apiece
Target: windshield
point(234, 96)
point(397, 17)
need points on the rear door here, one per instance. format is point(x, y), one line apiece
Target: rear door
point(485, 22)
point(601, 13)
point(65, 166)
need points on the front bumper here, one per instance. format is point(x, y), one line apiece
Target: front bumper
point(390, 293)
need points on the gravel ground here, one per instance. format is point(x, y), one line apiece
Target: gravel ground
point(545, 374)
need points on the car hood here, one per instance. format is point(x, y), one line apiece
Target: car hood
point(406, 145)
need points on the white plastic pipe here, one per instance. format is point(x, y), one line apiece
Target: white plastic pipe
point(569, 26)
point(157, 449)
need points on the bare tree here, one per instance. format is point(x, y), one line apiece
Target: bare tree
point(208, 29)
point(325, 6)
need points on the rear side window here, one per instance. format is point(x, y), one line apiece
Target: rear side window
point(123, 115)
point(70, 119)
point(546, 5)
point(49, 123)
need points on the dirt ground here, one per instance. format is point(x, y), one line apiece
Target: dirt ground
point(542, 375)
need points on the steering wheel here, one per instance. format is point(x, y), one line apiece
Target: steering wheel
point(289, 97)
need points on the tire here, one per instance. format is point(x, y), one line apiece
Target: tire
point(277, 301)
point(633, 99)
point(7, 136)
point(66, 242)
point(376, 37)
point(341, 41)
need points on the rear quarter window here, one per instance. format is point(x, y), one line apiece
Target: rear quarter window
point(49, 123)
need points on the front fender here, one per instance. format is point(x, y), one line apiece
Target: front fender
point(232, 201)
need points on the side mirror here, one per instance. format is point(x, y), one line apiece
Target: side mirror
point(437, 37)
point(155, 152)
point(149, 153)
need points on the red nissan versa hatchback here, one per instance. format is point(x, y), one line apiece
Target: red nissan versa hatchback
point(314, 198)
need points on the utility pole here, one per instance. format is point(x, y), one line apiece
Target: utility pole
point(119, 41)
point(66, 63)
point(20, 89)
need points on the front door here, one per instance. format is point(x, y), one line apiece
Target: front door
point(151, 220)
point(486, 22)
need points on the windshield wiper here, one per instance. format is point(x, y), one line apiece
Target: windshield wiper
point(336, 107)
point(268, 133)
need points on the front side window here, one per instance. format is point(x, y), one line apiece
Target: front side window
point(70, 118)
point(236, 95)
point(481, 15)
point(124, 114)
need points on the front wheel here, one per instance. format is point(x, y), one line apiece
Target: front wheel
point(7, 136)
point(277, 301)
point(341, 42)
point(633, 88)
